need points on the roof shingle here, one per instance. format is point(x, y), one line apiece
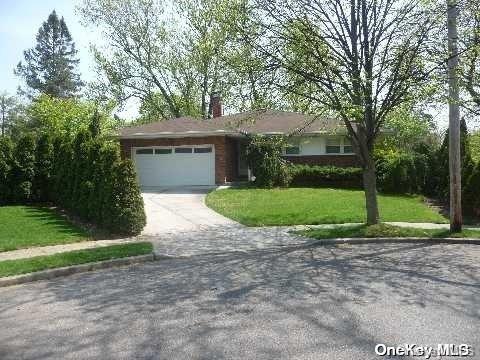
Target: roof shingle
point(257, 122)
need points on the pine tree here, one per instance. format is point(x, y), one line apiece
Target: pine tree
point(50, 67)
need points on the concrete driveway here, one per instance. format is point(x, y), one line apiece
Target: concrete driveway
point(180, 209)
point(180, 224)
point(333, 302)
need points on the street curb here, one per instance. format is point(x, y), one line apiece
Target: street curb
point(74, 269)
point(400, 240)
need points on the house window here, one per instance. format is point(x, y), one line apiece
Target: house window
point(333, 145)
point(183, 150)
point(347, 146)
point(292, 150)
point(163, 151)
point(202, 150)
point(144, 151)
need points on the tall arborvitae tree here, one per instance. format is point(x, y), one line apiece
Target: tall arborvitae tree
point(50, 67)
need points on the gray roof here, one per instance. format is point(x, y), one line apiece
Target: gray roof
point(256, 122)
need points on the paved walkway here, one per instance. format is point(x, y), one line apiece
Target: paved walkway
point(54, 249)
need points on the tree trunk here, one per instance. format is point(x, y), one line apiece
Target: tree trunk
point(454, 120)
point(370, 188)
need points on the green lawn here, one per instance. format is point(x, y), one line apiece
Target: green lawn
point(23, 266)
point(384, 230)
point(28, 226)
point(296, 206)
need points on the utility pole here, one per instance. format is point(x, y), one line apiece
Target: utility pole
point(454, 119)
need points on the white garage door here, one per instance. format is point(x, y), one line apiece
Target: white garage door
point(175, 166)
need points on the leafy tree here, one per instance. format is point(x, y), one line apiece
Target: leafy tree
point(67, 117)
point(7, 106)
point(408, 130)
point(360, 58)
point(469, 40)
point(174, 67)
point(49, 67)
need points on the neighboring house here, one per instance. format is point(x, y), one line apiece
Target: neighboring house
point(188, 151)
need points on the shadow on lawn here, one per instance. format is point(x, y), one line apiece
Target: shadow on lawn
point(206, 304)
point(56, 220)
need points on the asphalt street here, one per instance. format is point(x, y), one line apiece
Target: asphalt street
point(290, 302)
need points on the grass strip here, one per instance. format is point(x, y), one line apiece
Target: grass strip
point(384, 230)
point(38, 263)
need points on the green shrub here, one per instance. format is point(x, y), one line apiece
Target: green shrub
point(441, 170)
point(399, 172)
point(471, 193)
point(43, 168)
point(23, 169)
point(6, 162)
point(326, 176)
point(127, 212)
point(264, 156)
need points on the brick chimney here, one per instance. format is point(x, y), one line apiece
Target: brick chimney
point(216, 104)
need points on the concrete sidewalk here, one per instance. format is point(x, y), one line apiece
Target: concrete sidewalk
point(55, 249)
point(399, 224)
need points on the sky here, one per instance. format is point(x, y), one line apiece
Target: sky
point(19, 24)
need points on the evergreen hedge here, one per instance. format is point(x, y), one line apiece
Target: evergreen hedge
point(6, 163)
point(23, 169)
point(471, 192)
point(85, 176)
point(43, 169)
point(403, 173)
point(326, 176)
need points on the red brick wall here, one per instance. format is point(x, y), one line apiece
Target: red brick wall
point(231, 159)
point(335, 160)
point(224, 151)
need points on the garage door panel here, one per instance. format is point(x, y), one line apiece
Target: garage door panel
point(176, 169)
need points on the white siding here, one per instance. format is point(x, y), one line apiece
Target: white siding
point(313, 145)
